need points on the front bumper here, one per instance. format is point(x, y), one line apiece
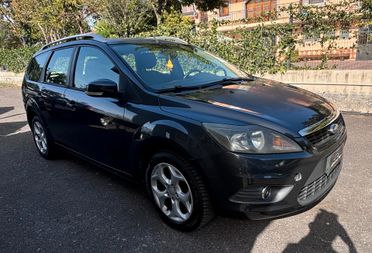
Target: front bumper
point(297, 181)
point(292, 204)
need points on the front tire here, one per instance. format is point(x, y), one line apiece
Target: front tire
point(178, 192)
point(42, 139)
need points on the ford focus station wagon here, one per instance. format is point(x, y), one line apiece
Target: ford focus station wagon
point(203, 136)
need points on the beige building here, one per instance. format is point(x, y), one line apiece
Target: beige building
point(248, 13)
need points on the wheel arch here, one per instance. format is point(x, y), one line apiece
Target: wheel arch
point(163, 135)
point(32, 110)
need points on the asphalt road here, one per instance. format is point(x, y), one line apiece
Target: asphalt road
point(68, 205)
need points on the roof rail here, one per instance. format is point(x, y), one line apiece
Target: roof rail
point(170, 38)
point(84, 36)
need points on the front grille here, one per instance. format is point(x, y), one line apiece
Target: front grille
point(321, 136)
point(313, 190)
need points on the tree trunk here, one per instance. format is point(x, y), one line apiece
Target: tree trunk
point(157, 13)
point(46, 40)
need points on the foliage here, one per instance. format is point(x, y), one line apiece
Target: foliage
point(261, 49)
point(7, 38)
point(173, 24)
point(366, 10)
point(16, 59)
point(125, 18)
point(160, 7)
point(45, 20)
point(205, 5)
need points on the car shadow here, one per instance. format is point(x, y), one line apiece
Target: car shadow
point(323, 231)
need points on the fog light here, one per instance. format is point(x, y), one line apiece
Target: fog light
point(298, 177)
point(266, 192)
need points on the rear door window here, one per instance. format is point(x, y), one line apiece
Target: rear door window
point(58, 66)
point(36, 67)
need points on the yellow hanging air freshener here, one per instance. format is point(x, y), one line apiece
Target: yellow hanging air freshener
point(169, 64)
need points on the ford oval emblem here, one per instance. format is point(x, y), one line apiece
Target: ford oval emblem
point(333, 128)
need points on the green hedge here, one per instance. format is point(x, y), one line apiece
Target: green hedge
point(16, 59)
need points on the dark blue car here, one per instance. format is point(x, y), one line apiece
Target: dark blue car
point(203, 136)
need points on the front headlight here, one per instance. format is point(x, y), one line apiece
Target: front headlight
point(251, 139)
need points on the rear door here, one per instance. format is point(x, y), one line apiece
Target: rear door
point(53, 88)
point(95, 124)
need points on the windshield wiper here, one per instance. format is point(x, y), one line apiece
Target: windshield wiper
point(179, 88)
point(237, 79)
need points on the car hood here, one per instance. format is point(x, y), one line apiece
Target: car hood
point(261, 101)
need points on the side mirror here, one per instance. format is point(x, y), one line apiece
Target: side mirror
point(102, 88)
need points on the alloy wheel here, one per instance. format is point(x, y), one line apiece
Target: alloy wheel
point(172, 192)
point(40, 137)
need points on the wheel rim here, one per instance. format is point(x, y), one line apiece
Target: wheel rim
point(172, 192)
point(40, 137)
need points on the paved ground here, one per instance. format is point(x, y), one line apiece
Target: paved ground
point(68, 205)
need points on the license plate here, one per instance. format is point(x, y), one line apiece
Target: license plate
point(333, 160)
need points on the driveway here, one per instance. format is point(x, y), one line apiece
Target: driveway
point(69, 205)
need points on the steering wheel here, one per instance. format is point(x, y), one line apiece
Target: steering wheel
point(197, 71)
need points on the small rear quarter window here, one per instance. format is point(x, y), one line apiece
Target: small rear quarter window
point(36, 66)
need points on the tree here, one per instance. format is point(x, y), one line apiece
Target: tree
point(366, 9)
point(45, 20)
point(10, 25)
point(161, 6)
point(7, 37)
point(125, 18)
point(173, 24)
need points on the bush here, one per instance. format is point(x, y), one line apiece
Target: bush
point(16, 59)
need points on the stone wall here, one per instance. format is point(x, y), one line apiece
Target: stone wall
point(11, 78)
point(349, 77)
point(349, 90)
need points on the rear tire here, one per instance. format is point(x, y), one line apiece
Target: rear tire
point(178, 192)
point(42, 138)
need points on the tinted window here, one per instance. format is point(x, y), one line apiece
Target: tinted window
point(36, 66)
point(92, 64)
point(58, 66)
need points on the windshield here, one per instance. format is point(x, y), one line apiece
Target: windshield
point(167, 66)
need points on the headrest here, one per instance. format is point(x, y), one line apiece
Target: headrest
point(146, 60)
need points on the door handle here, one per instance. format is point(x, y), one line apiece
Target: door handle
point(71, 105)
point(106, 120)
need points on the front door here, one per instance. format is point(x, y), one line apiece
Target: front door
point(96, 123)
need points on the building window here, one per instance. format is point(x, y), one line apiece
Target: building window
point(224, 10)
point(344, 34)
point(311, 38)
point(316, 1)
point(330, 35)
point(259, 8)
point(365, 35)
